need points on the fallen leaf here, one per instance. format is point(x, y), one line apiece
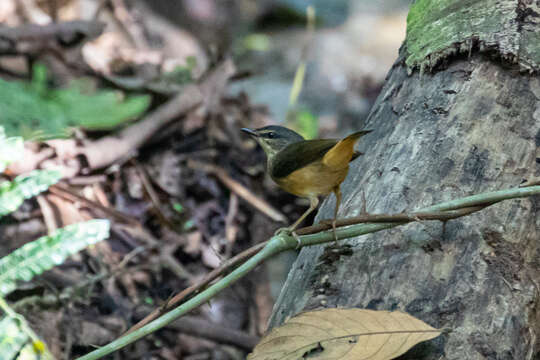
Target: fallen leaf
point(344, 334)
point(210, 257)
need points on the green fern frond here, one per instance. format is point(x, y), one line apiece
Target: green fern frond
point(48, 251)
point(12, 339)
point(12, 194)
point(11, 149)
point(17, 340)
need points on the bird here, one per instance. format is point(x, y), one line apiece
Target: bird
point(307, 168)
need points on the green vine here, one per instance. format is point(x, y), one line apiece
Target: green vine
point(284, 242)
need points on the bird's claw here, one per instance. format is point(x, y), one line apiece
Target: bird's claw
point(289, 232)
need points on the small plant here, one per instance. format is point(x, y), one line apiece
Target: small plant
point(36, 111)
point(17, 340)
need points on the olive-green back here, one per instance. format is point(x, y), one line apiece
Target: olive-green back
point(297, 155)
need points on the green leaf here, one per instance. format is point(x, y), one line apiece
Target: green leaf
point(103, 110)
point(12, 194)
point(36, 111)
point(178, 207)
point(48, 251)
point(11, 149)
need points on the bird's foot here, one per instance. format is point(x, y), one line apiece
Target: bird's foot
point(289, 232)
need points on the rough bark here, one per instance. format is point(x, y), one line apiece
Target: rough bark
point(472, 127)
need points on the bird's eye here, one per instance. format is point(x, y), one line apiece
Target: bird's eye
point(271, 135)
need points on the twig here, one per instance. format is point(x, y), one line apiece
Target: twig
point(391, 218)
point(48, 214)
point(154, 199)
point(284, 242)
point(69, 194)
point(86, 180)
point(239, 189)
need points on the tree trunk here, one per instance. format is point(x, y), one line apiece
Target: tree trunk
point(471, 127)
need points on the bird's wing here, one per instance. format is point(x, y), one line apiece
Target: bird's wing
point(297, 155)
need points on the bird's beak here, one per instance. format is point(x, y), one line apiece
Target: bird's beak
point(250, 132)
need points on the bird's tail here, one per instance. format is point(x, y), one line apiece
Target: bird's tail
point(343, 152)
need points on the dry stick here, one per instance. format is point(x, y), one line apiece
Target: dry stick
point(246, 254)
point(86, 180)
point(239, 190)
point(154, 198)
point(69, 195)
point(283, 242)
point(48, 214)
point(109, 149)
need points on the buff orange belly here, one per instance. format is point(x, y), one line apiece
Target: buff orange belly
point(313, 180)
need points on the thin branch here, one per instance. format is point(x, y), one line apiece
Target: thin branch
point(68, 194)
point(392, 218)
point(284, 242)
point(239, 189)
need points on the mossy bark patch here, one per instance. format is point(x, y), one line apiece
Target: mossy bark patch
point(437, 29)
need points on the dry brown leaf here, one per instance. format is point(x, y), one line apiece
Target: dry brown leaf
point(344, 334)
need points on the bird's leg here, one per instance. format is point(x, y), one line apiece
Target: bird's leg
point(337, 192)
point(314, 201)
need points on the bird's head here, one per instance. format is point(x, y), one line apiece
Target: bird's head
point(273, 138)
